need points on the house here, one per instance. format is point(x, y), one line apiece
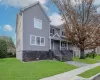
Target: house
point(36, 38)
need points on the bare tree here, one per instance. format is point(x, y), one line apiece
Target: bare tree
point(81, 22)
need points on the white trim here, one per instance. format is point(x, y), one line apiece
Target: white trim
point(38, 20)
point(44, 41)
point(60, 44)
point(50, 43)
point(31, 39)
point(61, 33)
point(37, 2)
point(57, 35)
point(53, 44)
point(35, 40)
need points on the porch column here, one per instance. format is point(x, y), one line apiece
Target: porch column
point(50, 43)
point(60, 44)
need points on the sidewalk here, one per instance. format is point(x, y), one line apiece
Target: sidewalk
point(71, 74)
point(78, 64)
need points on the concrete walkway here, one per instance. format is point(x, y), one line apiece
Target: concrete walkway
point(78, 64)
point(71, 75)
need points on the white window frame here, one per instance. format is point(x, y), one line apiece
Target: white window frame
point(35, 25)
point(35, 40)
point(53, 30)
point(44, 41)
point(61, 33)
point(31, 40)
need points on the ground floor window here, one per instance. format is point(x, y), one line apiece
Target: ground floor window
point(42, 41)
point(63, 44)
point(37, 40)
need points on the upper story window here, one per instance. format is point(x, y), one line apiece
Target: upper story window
point(63, 33)
point(37, 23)
point(52, 31)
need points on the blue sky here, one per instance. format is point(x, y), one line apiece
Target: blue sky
point(9, 9)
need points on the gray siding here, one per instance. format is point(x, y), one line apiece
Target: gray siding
point(56, 30)
point(28, 28)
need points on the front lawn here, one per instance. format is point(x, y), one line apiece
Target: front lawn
point(91, 72)
point(97, 57)
point(13, 69)
point(87, 60)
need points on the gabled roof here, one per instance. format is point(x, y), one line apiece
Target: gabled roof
point(57, 27)
point(56, 35)
point(41, 6)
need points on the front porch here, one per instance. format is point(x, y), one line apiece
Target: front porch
point(59, 45)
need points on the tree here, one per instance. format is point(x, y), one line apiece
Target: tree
point(10, 43)
point(3, 48)
point(81, 23)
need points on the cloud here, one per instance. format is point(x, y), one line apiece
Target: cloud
point(56, 19)
point(43, 1)
point(21, 3)
point(97, 2)
point(98, 10)
point(8, 28)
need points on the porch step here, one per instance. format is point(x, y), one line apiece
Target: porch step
point(57, 54)
point(68, 55)
point(63, 55)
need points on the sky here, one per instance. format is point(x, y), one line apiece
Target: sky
point(9, 9)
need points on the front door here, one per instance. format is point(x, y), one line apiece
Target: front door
point(56, 45)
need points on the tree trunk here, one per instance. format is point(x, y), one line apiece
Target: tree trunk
point(82, 55)
point(94, 52)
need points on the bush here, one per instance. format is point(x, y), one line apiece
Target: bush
point(3, 48)
point(10, 54)
point(91, 55)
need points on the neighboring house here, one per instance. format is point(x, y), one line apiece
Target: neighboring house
point(35, 37)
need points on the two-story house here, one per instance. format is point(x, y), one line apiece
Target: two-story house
point(34, 34)
point(35, 37)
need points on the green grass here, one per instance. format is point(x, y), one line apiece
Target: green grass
point(87, 60)
point(13, 69)
point(97, 57)
point(91, 72)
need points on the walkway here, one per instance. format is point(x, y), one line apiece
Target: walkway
point(71, 75)
point(78, 64)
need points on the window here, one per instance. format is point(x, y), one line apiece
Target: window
point(63, 34)
point(42, 42)
point(52, 31)
point(37, 23)
point(76, 0)
point(36, 40)
point(32, 40)
point(63, 44)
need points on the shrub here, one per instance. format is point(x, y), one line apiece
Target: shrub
point(91, 55)
point(10, 54)
point(3, 48)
